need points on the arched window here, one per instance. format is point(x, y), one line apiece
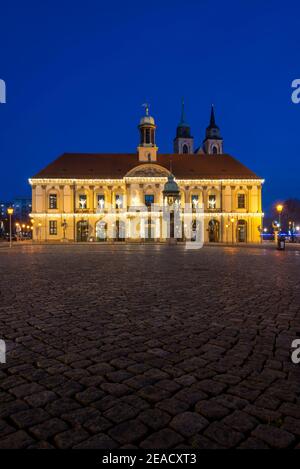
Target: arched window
point(185, 149)
point(215, 150)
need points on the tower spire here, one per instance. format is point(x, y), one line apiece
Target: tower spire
point(212, 117)
point(183, 142)
point(182, 120)
point(213, 143)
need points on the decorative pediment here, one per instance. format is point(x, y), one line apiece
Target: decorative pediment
point(148, 170)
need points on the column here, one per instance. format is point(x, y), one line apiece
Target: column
point(61, 205)
point(92, 198)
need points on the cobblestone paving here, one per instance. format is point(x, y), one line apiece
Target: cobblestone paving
point(149, 346)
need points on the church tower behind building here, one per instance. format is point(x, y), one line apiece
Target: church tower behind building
point(183, 142)
point(213, 143)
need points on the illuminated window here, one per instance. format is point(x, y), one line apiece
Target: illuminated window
point(82, 201)
point(100, 201)
point(212, 201)
point(119, 201)
point(195, 200)
point(241, 201)
point(52, 227)
point(52, 201)
point(149, 200)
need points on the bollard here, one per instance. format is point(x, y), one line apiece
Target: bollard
point(281, 243)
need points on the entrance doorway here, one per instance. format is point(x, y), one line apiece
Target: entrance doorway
point(101, 231)
point(242, 231)
point(120, 230)
point(213, 231)
point(82, 231)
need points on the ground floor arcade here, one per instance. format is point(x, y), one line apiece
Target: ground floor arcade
point(226, 228)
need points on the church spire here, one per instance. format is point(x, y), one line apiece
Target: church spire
point(212, 117)
point(213, 143)
point(183, 142)
point(182, 120)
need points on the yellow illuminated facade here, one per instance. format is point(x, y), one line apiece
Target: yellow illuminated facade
point(108, 197)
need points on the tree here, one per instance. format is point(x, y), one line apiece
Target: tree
point(290, 213)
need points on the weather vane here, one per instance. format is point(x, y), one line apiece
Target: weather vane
point(146, 106)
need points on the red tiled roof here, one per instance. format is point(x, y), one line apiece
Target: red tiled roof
point(115, 166)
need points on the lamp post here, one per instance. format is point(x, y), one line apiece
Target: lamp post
point(10, 212)
point(279, 209)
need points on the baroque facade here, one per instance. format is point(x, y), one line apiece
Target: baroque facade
point(117, 197)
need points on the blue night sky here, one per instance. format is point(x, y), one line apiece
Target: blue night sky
point(77, 73)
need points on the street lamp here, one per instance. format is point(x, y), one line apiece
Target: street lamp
point(10, 212)
point(279, 209)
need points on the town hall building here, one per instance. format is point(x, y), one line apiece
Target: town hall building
point(75, 197)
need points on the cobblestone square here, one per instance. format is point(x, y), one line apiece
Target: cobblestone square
point(149, 346)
